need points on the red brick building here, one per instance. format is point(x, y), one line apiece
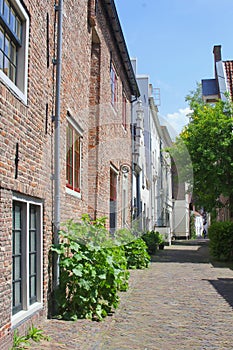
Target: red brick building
point(97, 83)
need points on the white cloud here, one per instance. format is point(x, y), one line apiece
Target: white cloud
point(175, 121)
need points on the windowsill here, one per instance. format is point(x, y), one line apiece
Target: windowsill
point(73, 193)
point(15, 90)
point(24, 314)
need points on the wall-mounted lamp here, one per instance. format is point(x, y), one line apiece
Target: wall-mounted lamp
point(124, 168)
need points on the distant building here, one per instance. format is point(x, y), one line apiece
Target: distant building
point(152, 177)
point(181, 203)
point(222, 83)
point(215, 89)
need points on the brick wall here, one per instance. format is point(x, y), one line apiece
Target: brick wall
point(29, 128)
point(88, 47)
point(5, 262)
point(114, 143)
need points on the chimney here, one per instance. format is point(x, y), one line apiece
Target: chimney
point(217, 53)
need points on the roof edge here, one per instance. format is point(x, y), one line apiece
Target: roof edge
point(117, 30)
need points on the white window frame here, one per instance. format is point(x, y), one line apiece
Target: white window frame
point(28, 309)
point(20, 88)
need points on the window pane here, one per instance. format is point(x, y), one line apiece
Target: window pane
point(17, 243)
point(6, 11)
point(1, 39)
point(17, 294)
point(33, 286)
point(32, 241)
point(32, 253)
point(13, 53)
point(16, 258)
point(1, 7)
point(17, 215)
point(32, 230)
point(32, 217)
point(6, 68)
point(7, 46)
point(9, 60)
point(13, 73)
point(18, 30)
point(77, 162)
point(32, 263)
point(12, 20)
point(70, 175)
point(17, 268)
point(113, 79)
point(32, 290)
point(69, 156)
point(113, 186)
point(1, 60)
point(1, 47)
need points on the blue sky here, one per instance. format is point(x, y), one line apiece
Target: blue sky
point(173, 42)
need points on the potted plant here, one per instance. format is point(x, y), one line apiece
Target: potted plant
point(161, 242)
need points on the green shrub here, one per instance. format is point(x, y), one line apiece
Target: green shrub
point(152, 239)
point(94, 267)
point(136, 254)
point(221, 240)
point(120, 264)
point(92, 271)
point(123, 236)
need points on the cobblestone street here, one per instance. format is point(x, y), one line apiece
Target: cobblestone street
point(182, 301)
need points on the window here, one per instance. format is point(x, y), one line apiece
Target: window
point(26, 257)
point(73, 158)
point(113, 86)
point(14, 31)
point(124, 103)
point(133, 129)
point(113, 200)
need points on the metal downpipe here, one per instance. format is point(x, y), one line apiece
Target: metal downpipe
point(56, 227)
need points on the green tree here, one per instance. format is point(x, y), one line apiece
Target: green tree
point(209, 140)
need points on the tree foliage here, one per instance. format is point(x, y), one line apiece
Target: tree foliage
point(209, 140)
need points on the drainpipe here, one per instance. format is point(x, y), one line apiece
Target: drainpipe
point(133, 99)
point(139, 135)
point(58, 63)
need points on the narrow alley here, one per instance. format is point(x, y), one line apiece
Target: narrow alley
point(182, 301)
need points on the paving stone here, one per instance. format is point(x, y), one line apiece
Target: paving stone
point(182, 301)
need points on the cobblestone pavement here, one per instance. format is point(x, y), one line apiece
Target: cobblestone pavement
point(181, 301)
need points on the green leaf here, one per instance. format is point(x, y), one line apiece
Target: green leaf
point(102, 277)
point(77, 272)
